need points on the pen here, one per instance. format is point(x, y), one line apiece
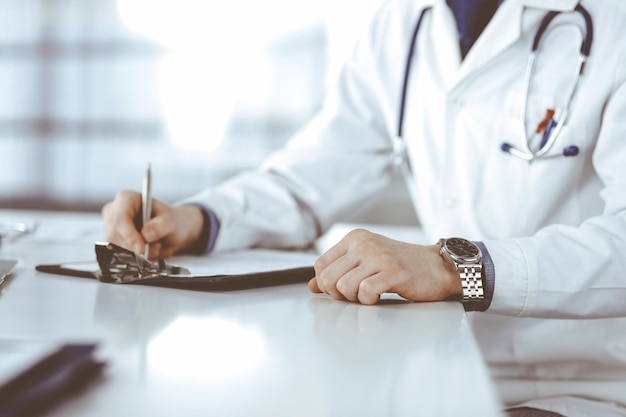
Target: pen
point(545, 126)
point(546, 134)
point(146, 203)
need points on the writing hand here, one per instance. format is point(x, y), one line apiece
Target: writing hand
point(169, 230)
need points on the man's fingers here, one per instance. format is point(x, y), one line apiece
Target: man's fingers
point(125, 234)
point(349, 283)
point(330, 256)
point(156, 228)
point(343, 279)
point(119, 226)
point(371, 288)
point(129, 238)
point(328, 275)
point(313, 286)
point(157, 251)
point(355, 286)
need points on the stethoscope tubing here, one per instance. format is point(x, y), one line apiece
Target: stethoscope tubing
point(585, 49)
point(407, 70)
point(526, 153)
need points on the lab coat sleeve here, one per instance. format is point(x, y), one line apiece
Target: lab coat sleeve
point(569, 271)
point(338, 160)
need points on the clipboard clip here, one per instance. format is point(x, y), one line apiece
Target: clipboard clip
point(119, 265)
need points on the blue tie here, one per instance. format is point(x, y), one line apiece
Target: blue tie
point(471, 18)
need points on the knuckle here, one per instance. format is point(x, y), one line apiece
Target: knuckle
point(319, 265)
point(342, 286)
point(358, 234)
point(126, 197)
point(346, 290)
point(122, 195)
point(127, 193)
point(367, 294)
point(367, 242)
point(365, 287)
point(324, 276)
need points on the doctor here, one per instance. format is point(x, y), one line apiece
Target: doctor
point(524, 160)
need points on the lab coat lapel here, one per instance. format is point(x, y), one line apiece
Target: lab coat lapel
point(504, 29)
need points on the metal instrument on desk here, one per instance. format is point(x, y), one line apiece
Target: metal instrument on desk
point(11, 230)
point(120, 265)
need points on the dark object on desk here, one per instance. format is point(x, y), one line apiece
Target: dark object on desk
point(54, 378)
point(121, 266)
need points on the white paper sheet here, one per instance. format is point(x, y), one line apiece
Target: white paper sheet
point(244, 262)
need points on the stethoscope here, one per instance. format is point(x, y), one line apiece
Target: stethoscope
point(552, 128)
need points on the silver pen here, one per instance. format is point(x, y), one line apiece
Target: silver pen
point(146, 203)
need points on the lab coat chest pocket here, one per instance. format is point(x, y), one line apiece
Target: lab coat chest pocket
point(527, 196)
point(542, 114)
point(545, 95)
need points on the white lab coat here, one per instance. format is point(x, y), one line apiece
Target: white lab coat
point(556, 229)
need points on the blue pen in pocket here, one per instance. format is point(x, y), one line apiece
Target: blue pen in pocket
point(546, 132)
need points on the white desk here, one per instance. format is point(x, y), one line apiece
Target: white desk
point(278, 351)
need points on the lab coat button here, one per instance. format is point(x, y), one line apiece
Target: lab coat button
point(450, 202)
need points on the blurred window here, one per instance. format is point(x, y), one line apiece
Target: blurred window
point(93, 89)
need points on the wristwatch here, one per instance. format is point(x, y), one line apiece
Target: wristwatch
point(467, 259)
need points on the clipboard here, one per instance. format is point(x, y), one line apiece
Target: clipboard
point(229, 271)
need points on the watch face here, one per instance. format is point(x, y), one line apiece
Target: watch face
point(462, 248)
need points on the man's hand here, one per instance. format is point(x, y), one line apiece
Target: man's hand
point(364, 265)
point(170, 229)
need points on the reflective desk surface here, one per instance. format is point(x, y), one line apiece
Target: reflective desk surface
point(277, 351)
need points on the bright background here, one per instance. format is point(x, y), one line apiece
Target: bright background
point(91, 90)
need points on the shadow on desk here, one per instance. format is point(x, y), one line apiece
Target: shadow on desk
point(42, 375)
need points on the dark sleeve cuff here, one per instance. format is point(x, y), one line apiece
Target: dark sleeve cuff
point(210, 229)
point(489, 277)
